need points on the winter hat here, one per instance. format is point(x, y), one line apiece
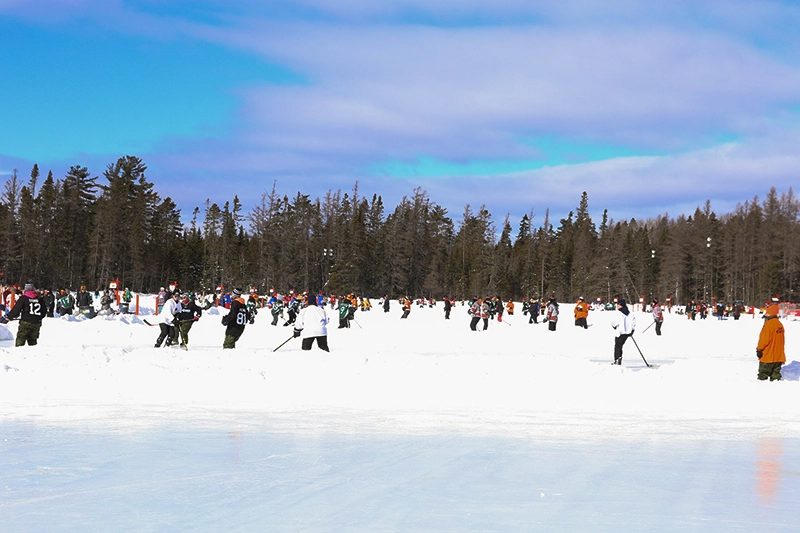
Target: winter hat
point(237, 292)
point(29, 287)
point(621, 302)
point(312, 299)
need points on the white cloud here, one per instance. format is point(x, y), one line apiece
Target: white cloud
point(472, 93)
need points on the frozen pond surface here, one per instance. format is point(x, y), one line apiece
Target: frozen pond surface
point(180, 478)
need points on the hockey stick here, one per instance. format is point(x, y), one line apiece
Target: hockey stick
point(357, 324)
point(648, 327)
point(148, 323)
point(640, 353)
point(284, 342)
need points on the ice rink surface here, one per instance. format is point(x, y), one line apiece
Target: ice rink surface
point(187, 479)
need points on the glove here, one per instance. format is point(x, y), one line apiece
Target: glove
point(3, 320)
point(296, 333)
point(759, 353)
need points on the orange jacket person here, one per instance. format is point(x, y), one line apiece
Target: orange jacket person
point(406, 307)
point(770, 349)
point(581, 313)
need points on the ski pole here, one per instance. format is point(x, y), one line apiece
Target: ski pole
point(640, 351)
point(284, 342)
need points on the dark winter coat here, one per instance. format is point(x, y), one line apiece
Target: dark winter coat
point(29, 308)
point(66, 304)
point(50, 301)
point(85, 299)
point(189, 311)
point(237, 318)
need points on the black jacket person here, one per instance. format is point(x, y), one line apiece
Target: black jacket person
point(31, 310)
point(235, 320)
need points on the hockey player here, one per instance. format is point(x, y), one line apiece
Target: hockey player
point(225, 300)
point(294, 310)
point(534, 309)
point(252, 306)
point(658, 316)
point(552, 313)
point(235, 320)
point(475, 312)
point(486, 311)
point(312, 324)
point(277, 308)
point(31, 309)
point(168, 315)
point(50, 302)
point(624, 323)
point(189, 314)
point(353, 307)
point(448, 306)
point(344, 313)
point(65, 304)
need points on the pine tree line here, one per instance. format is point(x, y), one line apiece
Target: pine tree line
point(74, 231)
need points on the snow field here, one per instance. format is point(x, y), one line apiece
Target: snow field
point(407, 425)
point(422, 373)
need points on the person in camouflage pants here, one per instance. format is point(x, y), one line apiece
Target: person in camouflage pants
point(30, 309)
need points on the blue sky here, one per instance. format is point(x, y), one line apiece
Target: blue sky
point(518, 105)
